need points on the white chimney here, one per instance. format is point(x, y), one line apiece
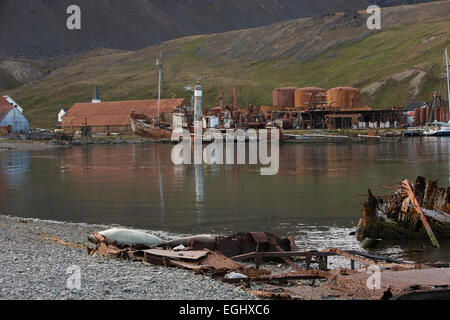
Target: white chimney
point(198, 92)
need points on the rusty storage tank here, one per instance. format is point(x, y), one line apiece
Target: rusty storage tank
point(437, 114)
point(423, 116)
point(344, 98)
point(284, 97)
point(442, 115)
point(417, 117)
point(268, 109)
point(427, 116)
point(303, 97)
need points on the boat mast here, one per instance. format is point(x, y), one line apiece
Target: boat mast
point(159, 65)
point(448, 80)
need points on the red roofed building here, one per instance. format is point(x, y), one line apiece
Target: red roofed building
point(115, 116)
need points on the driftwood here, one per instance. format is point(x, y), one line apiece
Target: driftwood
point(408, 212)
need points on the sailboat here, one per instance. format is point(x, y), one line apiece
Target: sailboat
point(443, 128)
point(144, 126)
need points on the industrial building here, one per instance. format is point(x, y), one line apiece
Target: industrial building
point(114, 117)
point(335, 108)
point(437, 111)
point(12, 121)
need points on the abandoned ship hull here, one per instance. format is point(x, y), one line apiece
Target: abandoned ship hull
point(149, 131)
point(422, 214)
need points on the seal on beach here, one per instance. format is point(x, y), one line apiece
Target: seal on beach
point(128, 237)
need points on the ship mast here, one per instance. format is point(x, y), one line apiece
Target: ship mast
point(448, 79)
point(159, 65)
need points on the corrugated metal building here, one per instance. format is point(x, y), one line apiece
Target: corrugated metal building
point(115, 116)
point(11, 119)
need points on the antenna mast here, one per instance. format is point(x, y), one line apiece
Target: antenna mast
point(448, 80)
point(159, 65)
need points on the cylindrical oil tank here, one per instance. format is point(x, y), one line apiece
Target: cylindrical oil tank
point(270, 108)
point(304, 97)
point(446, 114)
point(284, 97)
point(423, 116)
point(344, 98)
point(437, 114)
point(442, 116)
point(427, 116)
point(417, 117)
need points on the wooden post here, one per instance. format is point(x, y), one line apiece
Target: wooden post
point(416, 204)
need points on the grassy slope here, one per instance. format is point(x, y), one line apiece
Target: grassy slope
point(7, 82)
point(132, 75)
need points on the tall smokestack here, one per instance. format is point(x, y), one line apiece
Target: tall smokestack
point(198, 103)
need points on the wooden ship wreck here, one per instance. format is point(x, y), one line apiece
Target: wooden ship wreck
point(149, 128)
point(409, 211)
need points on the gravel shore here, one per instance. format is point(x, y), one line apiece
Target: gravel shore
point(35, 256)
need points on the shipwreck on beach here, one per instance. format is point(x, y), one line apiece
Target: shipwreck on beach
point(418, 211)
point(229, 258)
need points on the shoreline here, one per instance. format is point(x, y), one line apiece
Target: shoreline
point(307, 137)
point(36, 254)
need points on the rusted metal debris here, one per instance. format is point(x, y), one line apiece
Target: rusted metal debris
point(221, 258)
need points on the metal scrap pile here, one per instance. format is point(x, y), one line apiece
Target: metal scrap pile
point(222, 256)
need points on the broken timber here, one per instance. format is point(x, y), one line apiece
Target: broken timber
point(427, 199)
point(408, 213)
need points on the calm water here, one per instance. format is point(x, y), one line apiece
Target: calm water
point(314, 196)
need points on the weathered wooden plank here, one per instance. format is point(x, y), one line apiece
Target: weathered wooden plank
point(430, 193)
point(414, 201)
point(419, 189)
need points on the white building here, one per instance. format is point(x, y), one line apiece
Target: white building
point(61, 114)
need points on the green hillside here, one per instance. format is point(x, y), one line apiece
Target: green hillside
point(406, 57)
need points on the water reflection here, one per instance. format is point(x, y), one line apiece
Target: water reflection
point(161, 193)
point(137, 185)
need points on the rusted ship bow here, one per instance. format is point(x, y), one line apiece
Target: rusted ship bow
point(418, 211)
point(145, 127)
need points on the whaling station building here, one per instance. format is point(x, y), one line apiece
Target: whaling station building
point(12, 120)
point(298, 108)
point(114, 116)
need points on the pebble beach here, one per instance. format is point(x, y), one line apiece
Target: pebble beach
point(37, 259)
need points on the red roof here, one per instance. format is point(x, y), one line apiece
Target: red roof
point(4, 102)
point(4, 110)
point(116, 113)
